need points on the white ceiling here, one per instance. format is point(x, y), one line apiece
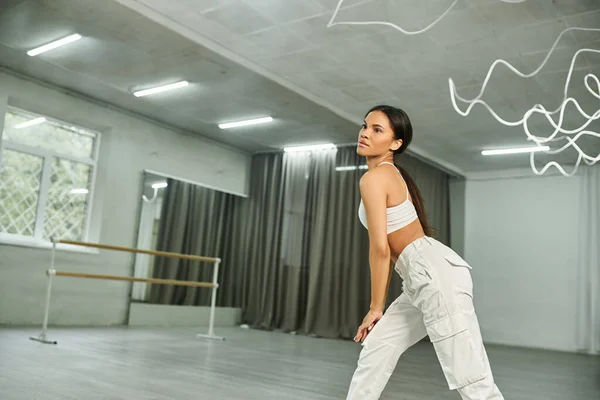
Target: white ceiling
point(278, 57)
point(122, 51)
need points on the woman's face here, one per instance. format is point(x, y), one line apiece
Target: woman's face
point(376, 136)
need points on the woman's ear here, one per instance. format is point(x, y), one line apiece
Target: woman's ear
point(396, 144)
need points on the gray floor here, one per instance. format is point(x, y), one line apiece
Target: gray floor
point(137, 364)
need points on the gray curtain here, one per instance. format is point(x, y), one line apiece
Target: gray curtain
point(259, 243)
point(338, 261)
point(317, 250)
point(295, 256)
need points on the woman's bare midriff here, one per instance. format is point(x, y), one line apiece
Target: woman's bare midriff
point(401, 238)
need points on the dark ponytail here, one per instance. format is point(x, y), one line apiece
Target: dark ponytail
point(417, 201)
point(403, 131)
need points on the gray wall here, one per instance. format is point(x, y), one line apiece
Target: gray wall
point(128, 146)
point(521, 237)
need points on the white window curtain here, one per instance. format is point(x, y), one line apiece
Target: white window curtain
point(589, 263)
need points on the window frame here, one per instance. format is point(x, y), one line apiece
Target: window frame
point(48, 156)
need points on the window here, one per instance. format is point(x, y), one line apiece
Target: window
point(47, 171)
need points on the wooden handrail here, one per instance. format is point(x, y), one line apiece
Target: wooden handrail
point(132, 250)
point(132, 279)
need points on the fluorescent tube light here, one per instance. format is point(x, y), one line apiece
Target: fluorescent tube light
point(351, 168)
point(515, 150)
point(325, 146)
point(245, 123)
point(80, 191)
point(31, 122)
point(161, 89)
point(159, 185)
point(54, 45)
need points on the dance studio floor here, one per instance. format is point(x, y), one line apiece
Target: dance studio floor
point(140, 364)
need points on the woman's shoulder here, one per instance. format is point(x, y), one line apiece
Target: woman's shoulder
point(375, 177)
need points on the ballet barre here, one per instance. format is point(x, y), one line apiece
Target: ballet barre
point(43, 337)
point(140, 251)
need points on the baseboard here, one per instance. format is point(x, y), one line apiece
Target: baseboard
point(143, 314)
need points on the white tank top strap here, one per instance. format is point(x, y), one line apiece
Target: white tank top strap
point(387, 162)
point(405, 184)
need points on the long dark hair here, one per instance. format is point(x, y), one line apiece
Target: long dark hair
point(403, 131)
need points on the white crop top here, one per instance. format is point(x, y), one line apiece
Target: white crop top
point(397, 216)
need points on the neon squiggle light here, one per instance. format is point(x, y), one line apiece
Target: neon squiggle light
point(540, 109)
point(536, 109)
point(394, 26)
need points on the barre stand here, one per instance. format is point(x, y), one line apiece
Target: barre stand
point(43, 336)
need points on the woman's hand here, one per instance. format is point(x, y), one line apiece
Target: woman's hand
point(372, 317)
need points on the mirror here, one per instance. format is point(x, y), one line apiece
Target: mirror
point(186, 218)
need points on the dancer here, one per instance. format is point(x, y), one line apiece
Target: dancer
point(437, 297)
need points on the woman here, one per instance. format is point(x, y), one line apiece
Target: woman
point(437, 297)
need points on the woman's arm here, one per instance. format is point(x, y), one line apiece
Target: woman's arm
point(374, 198)
point(375, 202)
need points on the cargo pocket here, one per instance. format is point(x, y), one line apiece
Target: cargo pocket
point(456, 260)
point(460, 357)
point(460, 272)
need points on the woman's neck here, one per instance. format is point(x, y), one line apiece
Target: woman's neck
point(373, 162)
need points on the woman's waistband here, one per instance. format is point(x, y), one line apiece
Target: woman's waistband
point(414, 250)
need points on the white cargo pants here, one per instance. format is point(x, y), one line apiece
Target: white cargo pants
point(437, 301)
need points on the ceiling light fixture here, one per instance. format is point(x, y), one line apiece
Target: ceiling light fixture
point(245, 123)
point(325, 146)
point(160, 89)
point(31, 122)
point(80, 191)
point(160, 185)
point(57, 43)
point(515, 150)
